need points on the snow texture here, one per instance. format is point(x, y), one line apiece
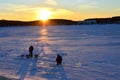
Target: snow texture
point(90, 52)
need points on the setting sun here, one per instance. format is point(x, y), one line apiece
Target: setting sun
point(44, 14)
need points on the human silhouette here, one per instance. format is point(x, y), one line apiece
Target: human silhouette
point(31, 48)
point(59, 60)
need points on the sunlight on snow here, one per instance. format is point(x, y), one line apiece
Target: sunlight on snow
point(43, 34)
point(44, 39)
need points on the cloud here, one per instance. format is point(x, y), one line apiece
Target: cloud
point(61, 13)
point(51, 2)
point(18, 12)
point(118, 9)
point(26, 12)
point(88, 6)
point(18, 8)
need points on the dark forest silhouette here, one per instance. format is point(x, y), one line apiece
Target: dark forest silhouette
point(112, 20)
point(37, 22)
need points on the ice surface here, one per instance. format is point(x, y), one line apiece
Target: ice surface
point(90, 52)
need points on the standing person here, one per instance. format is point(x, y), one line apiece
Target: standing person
point(31, 48)
point(59, 60)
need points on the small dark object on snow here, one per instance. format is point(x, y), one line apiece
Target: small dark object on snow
point(22, 55)
point(36, 56)
point(31, 48)
point(28, 56)
point(59, 60)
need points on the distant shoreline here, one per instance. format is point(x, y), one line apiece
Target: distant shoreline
point(54, 22)
point(37, 22)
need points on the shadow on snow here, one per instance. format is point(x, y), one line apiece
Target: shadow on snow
point(43, 67)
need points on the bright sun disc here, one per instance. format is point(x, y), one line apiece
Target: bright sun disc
point(44, 14)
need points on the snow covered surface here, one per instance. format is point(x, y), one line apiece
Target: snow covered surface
point(90, 52)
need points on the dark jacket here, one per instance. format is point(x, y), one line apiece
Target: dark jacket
point(59, 59)
point(31, 48)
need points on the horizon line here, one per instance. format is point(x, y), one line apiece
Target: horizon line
point(58, 19)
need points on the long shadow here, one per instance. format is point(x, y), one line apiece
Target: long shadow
point(47, 69)
point(34, 67)
point(25, 68)
point(62, 73)
point(57, 72)
point(50, 70)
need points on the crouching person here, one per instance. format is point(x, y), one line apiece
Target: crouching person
point(59, 60)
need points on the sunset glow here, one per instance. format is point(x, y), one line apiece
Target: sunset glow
point(44, 14)
point(55, 9)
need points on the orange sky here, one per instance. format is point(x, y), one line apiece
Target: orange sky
point(68, 9)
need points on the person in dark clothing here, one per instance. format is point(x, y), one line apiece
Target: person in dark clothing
point(31, 48)
point(59, 60)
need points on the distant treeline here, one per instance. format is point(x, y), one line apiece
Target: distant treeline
point(112, 20)
point(37, 22)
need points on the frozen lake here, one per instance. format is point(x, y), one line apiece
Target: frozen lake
point(90, 52)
